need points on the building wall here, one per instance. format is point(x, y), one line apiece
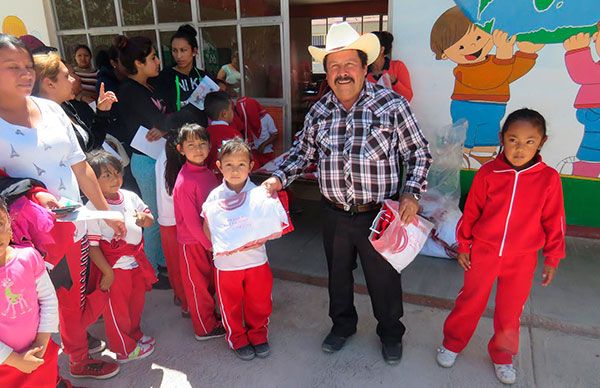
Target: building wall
point(547, 88)
point(26, 17)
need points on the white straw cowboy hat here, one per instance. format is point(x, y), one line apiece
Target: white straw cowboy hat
point(342, 36)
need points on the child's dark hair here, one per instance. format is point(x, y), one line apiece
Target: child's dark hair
point(133, 49)
point(103, 59)
point(385, 40)
point(175, 160)
point(3, 209)
point(9, 41)
point(215, 103)
point(525, 114)
point(235, 145)
point(188, 33)
point(99, 159)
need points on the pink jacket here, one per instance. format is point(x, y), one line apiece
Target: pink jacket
point(584, 71)
point(192, 186)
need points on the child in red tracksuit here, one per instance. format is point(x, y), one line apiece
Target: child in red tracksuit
point(193, 184)
point(219, 108)
point(244, 279)
point(515, 208)
point(126, 272)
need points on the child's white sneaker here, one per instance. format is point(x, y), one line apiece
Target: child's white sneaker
point(506, 373)
point(147, 340)
point(445, 358)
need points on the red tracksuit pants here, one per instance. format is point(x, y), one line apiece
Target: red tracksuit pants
point(245, 299)
point(123, 312)
point(197, 273)
point(77, 310)
point(45, 376)
point(514, 274)
point(168, 238)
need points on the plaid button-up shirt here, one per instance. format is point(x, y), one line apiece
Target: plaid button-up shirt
point(358, 152)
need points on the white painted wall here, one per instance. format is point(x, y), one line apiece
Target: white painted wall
point(546, 88)
point(33, 14)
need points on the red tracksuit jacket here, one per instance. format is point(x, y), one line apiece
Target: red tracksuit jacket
point(515, 211)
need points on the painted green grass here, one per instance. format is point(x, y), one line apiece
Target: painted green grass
point(582, 198)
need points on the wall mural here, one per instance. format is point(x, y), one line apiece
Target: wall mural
point(493, 43)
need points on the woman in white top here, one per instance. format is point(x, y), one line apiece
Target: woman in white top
point(37, 141)
point(230, 74)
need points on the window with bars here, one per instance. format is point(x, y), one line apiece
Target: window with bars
point(96, 23)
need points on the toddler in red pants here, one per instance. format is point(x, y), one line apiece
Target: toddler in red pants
point(126, 272)
point(514, 209)
point(243, 278)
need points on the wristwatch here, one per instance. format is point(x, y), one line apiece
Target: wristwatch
point(416, 196)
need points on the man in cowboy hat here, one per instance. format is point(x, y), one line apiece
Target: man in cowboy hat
point(358, 134)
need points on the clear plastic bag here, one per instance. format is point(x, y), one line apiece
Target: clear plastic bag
point(440, 203)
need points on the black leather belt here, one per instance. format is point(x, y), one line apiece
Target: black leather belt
point(354, 209)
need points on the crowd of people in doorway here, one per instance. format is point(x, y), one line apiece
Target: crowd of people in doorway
point(55, 152)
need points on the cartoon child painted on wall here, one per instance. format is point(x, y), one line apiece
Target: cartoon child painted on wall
point(481, 87)
point(585, 72)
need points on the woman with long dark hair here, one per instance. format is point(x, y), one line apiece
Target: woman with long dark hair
point(177, 83)
point(140, 105)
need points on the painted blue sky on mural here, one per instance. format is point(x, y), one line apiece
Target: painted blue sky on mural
point(522, 16)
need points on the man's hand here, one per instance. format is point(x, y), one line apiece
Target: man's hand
point(577, 41)
point(118, 227)
point(47, 200)
point(548, 275)
point(504, 44)
point(464, 260)
point(107, 279)
point(273, 185)
point(529, 47)
point(409, 206)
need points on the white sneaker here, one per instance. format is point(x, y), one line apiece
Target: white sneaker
point(445, 358)
point(506, 373)
point(141, 351)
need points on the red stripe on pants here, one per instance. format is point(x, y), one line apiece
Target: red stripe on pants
point(45, 376)
point(168, 238)
point(76, 309)
point(197, 273)
point(514, 274)
point(245, 297)
point(123, 313)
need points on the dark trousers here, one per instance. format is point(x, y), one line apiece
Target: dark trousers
point(345, 235)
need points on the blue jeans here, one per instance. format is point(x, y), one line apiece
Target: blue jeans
point(589, 149)
point(142, 167)
point(483, 119)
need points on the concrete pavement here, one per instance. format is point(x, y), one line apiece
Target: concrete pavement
point(299, 323)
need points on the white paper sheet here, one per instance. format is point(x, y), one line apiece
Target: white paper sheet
point(152, 149)
point(85, 214)
point(93, 105)
point(206, 86)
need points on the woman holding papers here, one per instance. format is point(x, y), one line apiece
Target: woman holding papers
point(176, 84)
point(141, 106)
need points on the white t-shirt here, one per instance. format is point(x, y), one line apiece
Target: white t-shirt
point(45, 152)
point(267, 128)
point(231, 229)
point(128, 203)
point(166, 209)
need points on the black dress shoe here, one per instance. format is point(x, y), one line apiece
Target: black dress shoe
point(392, 352)
point(332, 343)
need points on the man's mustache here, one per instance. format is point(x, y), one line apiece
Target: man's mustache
point(343, 79)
